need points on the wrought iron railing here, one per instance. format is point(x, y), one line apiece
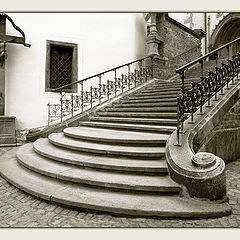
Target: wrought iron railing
point(192, 99)
point(100, 87)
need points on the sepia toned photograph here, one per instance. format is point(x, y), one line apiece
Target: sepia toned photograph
point(119, 119)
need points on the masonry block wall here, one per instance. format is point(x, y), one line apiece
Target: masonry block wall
point(224, 141)
point(179, 45)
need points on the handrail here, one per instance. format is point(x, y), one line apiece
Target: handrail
point(186, 66)
point(193, 98)
point(96, 75)
point(129, 75)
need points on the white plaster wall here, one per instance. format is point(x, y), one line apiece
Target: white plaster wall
point(105, 40)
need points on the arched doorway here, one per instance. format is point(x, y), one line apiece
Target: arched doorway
point(227, 30)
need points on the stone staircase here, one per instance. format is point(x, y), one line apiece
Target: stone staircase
point(114, 162)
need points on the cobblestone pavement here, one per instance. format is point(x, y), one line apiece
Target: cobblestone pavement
point(19, 209)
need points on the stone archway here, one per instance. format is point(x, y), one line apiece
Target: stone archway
point(227, 30)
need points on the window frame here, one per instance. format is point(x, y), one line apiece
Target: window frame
point(74, 78)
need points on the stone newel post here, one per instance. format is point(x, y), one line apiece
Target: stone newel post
point(153, 38)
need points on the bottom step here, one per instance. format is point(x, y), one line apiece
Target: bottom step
point(80, 196)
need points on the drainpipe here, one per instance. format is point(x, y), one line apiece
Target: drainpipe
point(206, 31)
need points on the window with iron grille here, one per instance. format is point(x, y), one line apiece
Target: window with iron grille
point(61, 65)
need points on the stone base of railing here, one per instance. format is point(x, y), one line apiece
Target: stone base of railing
point(203, 174)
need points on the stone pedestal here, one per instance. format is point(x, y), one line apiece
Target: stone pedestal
point(7, 130)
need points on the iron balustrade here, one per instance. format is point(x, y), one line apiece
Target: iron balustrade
point(123, 78)
point(201, 91)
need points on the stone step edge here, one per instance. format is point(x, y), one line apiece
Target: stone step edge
point(61, 143)
point(108, 166)
point(148, 128)
point(68, 196)
point(164, 188)
point(116, 140)
point(166, 122)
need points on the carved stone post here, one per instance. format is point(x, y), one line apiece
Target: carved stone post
point(153, 45)
point(153, 38)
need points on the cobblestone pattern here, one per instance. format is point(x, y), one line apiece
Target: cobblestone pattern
point(19, 209)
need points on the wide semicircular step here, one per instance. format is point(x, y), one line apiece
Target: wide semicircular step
point(96, 177)
point(102, 148)
point(101, 199)
point(115, 136)
point(43, 147)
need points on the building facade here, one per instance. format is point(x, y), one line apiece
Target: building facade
point(82, 44)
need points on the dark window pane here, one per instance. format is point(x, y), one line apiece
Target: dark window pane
point(60, 66)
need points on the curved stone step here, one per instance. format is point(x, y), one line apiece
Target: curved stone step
point(102, 199)
point(95, 177)
point(129, 127)
point(43, 147)
point(132, 151)
point(115, 136)
point(142, 109)
point(163, 122)
point(139, 114)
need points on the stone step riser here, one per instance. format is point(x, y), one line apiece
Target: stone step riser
point(160, 91)
point(109, 152)
point(142, 98)
point(135, 127)
point(163, 100)
point(126, 142)
point(130, 105)
point(108, 186)
point(143, 109)
point(113, 180)
point(135, 115)
point(152, 94)
point(170, 88)
point(130, 120)
point(146, 166)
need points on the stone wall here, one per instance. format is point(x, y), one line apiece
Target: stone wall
point(224, 141)
point(179, 45)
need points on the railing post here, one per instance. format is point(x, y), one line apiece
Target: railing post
point(72, 104)
point(115, 79)
point(178, 122)
point(135, 77)
point(61, 104)
point(100, 88)
point(91, 98)
point(48, 113)
point(122, 82)
point(201, 62)
point(81, 96)
point(129, 70)
point(107, 89)
point(182, 77)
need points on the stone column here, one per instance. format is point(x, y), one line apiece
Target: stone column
point(153, 41)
